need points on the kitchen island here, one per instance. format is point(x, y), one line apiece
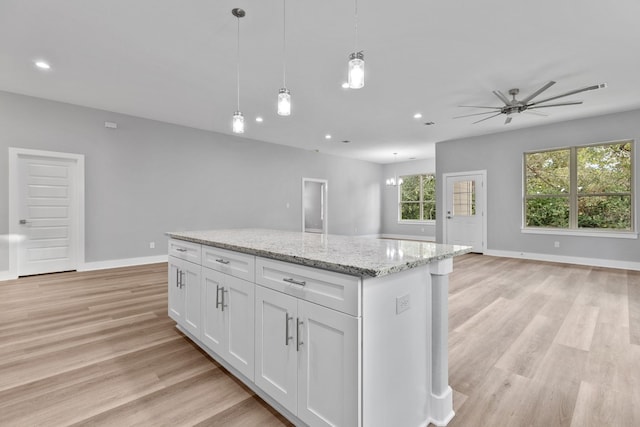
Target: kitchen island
point(330, 330)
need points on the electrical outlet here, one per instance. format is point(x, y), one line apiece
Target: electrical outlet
point(152, 245)
point(403, 303)
point(556, 244)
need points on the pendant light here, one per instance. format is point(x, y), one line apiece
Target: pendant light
point(394, 181)
point(355, 76)
point(237, 125)
point(284, 95)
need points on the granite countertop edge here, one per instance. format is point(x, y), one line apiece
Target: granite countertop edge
point(325, 265)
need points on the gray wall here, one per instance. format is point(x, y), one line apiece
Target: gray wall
point(149, 177)
point(501, 155)
point(390, 199)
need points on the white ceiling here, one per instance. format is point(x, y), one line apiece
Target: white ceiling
point(175, 61)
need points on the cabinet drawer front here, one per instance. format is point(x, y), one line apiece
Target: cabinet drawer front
point(234, 263)
point(185, 250)
point(334, 290)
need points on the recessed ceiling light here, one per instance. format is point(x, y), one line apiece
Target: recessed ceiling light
point(327, 136)
point(43, 65)
point(417, 116)
point(345, 85)
point(259, 119)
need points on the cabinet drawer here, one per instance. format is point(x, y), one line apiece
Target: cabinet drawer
point(334, 290)
point(185, 250)
point(234, 263)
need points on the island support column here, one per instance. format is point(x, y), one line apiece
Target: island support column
point(441, 393)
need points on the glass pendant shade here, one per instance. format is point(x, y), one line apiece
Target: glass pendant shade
point(284, 102)
point(238, 122)
point(356, 70)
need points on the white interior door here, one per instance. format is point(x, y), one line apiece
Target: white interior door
point(465, 220)
point(45, 211)
point(314, 205)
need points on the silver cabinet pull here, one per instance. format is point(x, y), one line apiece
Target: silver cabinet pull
point(177, 277)
point(181, 250)
point(222, 261)
point(286, 328)
point(182, 279)
point(295, 282)
point(298, 338)
point(218, 288)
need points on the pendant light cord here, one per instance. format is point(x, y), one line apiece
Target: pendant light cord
point(238, 64)
point(356, 23)
point(284, 38)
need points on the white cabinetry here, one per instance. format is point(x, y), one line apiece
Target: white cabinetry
point(307, 355)
point(184, 294)
point(228, 313)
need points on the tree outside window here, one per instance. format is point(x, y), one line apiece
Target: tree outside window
point(417, 195)
point(587, 187)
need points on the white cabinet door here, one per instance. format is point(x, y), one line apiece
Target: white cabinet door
point(328, 379)
point(213, 329)
point(175, 293)
point(184, 294)
point(228, 307)
point(276, 355)
point(239, 309)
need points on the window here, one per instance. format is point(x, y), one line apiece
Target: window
point(588, 187)
point(417, 198)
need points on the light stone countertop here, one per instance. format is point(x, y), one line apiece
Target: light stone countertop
point(357, 256)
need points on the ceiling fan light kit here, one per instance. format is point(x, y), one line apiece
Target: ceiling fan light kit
point(525, 105)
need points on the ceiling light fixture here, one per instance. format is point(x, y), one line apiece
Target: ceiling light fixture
point(259, 119)
point(238, 118)
point(327, 136)
point(43, 65)
point(284, 95)
point(394, 181)
point(417, 116)
point(356, 60)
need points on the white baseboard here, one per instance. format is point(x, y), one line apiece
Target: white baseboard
point(6, 275)
point(424, 238)
point(595, 262)
point(127, 262)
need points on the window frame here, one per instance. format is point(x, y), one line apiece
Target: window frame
point(573, 196)
point(420, 202)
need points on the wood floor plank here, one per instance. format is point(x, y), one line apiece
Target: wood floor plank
point(578, 327)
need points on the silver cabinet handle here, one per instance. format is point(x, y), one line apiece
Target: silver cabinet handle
point(218, 288)
point(223, 304)
point(295, 282)
point(177, 277)
point(181, 250)
point(298, 339)
point(286, 328)
point(222, 261)
point(181, 279)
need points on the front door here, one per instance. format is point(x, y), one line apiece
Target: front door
point(46, 212)
point(465, 198)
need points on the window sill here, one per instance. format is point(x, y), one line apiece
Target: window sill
point(415, 222)
point(582, 233)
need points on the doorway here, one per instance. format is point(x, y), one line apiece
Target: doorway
point(464, 201)
point(314, 205)
point(46, 211)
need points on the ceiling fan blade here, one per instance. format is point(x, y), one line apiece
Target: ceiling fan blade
point(508, 120)
point(480, 106)
point(559, 104)
point(486, 118)
point(502, 97)
point(572, 92)
point(538, 92)
point(475, 114)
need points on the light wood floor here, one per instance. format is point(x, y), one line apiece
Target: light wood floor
point(531, 344)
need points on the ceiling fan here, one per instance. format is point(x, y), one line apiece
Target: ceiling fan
point(527, 104)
